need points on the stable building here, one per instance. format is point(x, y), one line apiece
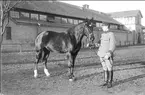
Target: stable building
point(29, 18)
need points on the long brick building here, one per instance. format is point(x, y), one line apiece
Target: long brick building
point(29, 18)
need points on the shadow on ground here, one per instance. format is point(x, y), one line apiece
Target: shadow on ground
point(142, 63)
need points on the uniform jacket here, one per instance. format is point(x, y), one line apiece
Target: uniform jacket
point(108, 43)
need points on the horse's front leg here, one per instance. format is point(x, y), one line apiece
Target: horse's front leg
point(71, 62)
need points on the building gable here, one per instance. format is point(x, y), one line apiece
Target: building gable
point(126, 13)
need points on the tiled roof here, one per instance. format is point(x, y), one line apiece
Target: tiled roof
point(65, 9)
point(125, 13)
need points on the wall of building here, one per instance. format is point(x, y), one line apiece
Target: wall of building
point(133, 24)
point(57, 29)
point(125, 20)
point(21, 33)
point(131, 27)
point(138, 19)
point(122, 38)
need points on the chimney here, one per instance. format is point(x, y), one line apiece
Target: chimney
point(85, 6)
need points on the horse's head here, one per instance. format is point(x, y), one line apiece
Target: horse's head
point(88, 30)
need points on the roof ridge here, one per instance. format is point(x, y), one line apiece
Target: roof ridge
point(70, 5)
point(124, 11)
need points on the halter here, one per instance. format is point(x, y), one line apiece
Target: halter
point(89, 35)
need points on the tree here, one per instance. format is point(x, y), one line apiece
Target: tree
point(5, 7)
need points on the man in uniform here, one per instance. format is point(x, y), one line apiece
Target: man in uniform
point(105, 52)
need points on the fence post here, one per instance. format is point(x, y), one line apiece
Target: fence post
point(20, 47)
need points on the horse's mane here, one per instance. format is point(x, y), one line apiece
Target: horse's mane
point(71, 29)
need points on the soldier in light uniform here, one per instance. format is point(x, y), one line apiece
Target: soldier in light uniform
point(105, 52)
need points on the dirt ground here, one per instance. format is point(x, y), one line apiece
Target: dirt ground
point(129, 74)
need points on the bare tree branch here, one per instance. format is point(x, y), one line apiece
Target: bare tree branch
point(10, 7)
point(1, 17)
point(8, 20)
point(7, 4)
point(6, 7)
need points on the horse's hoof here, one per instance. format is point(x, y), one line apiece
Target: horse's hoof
point(46, 72)
point(72, 79)
point(35, 76)
point(48, 75)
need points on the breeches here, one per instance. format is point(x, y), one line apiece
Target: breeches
point(106, 63)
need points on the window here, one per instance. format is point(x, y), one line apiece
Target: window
point(113, 26)
point(8, 33)
point(75, 21)
point(24, 15)
point(80, 21)
point(70, 21)
point(50, 18)
point(43, 17)
point(58, 19)
point(14, 14)
point(34, 16)
point(120, 27)
point(98, 24)
point(64, 20)
point(133, 20)
point(125, 20)
point(122, 20)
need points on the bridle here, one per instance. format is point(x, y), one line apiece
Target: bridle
point(90, 35)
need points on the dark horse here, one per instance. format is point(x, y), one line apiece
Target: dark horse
point(67, 42)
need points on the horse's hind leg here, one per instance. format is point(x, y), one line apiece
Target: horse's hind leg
point(38, 57)
point(46, 55)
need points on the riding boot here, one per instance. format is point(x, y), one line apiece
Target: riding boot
point(105, 78)
point(110, 79)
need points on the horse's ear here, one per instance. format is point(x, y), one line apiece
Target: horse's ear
point(92, 19)
point(86, 20)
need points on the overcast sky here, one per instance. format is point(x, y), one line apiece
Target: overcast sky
point(113, 6)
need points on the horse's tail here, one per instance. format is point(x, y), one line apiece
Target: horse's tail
point(38, 41)
point(39, 45)
point(38, 48)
